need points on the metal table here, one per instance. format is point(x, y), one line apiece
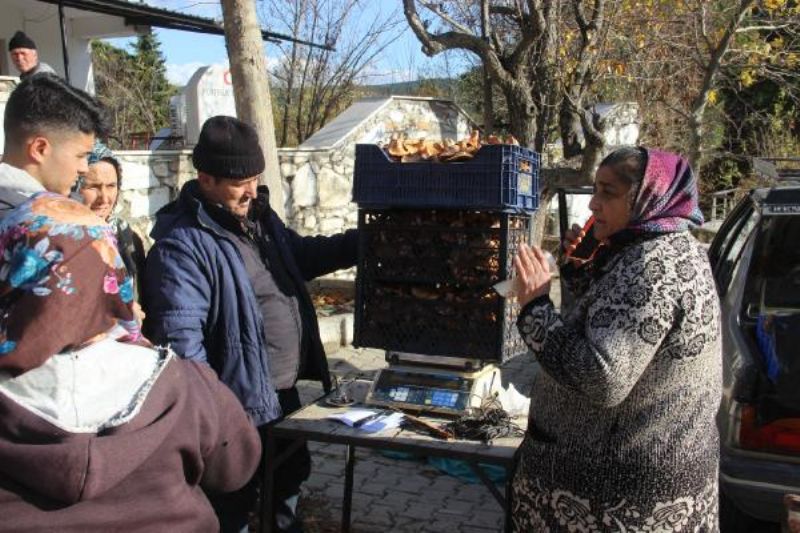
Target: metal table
point(310, 424)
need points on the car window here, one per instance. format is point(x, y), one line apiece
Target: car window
point(573, 207)
point(731, 250)
point(775, 271)
point(728, 230)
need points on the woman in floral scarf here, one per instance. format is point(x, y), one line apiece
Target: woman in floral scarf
point(621, 432)
point(79, 299)
point(99, 190)
point(99, 431)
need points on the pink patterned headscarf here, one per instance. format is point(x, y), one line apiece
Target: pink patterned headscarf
point(667, 200)
point(63, 283)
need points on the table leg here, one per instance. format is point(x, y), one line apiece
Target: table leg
point(267, 507)
point(478, 471)
point(509, 499)
point(348, 487)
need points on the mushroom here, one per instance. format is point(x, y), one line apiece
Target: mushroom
point(396, 148)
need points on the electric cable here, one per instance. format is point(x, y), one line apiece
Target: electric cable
point(485, 423)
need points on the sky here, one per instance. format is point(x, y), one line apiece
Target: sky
point(403, 60)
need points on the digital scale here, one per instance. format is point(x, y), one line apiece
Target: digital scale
point(444, 385)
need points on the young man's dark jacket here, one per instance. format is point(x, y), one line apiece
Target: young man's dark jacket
point(199, 299)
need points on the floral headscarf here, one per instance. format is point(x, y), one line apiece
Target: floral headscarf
point(100, 152)
point(62, 282)
point(667, 200)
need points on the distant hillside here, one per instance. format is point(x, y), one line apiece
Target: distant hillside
point(429, 87)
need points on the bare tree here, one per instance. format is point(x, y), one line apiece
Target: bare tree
point(579, 85)
point(736, 48)
point(542, 55)
point(316, 84)
point(675, 55)
point(508, 65)
point(133, 87)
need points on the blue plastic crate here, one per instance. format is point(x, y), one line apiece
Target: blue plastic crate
point(493, 179)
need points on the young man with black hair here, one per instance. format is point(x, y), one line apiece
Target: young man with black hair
point(225, 285)
point(50, 128)
point(25, 56)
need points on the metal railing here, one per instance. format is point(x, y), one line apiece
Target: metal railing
point(722, 202)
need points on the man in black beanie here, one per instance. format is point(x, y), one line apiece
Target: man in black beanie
point(25, 56)
point(225, 285)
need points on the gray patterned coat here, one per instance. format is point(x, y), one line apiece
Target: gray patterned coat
point(622, 433)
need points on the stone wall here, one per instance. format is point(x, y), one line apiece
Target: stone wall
point(319, 189)
point(621, 128)
point(7, 84)
point(414, 118)
point(150, 180)
point(622, 124)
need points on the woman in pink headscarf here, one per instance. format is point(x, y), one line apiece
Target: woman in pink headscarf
point(99, 431)
point(621, 433)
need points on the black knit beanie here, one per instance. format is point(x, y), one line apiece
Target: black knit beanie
point(20, 40)
point(228, 148)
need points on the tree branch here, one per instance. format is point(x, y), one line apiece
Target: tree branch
point(445, 17)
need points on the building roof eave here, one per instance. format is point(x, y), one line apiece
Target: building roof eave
point(145, 15)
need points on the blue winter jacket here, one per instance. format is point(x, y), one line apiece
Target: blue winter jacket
point(199, 299)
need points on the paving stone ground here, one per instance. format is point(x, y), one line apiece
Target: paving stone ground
point(391, 494)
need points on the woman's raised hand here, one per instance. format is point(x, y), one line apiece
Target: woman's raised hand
point(572, 238)
point(532, 274)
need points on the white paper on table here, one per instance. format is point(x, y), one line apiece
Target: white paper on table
point(353, 416)
point(389, 421)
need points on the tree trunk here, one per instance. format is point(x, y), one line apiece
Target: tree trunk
point(251, 87)
point(522, 114)
point(695, 140)
point(594, 143)
point(569, 126)
point(488, 103)
point(539, 219)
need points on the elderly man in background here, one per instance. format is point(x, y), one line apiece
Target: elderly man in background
point(25, 56)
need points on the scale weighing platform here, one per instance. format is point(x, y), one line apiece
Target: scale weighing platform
point(433, 389)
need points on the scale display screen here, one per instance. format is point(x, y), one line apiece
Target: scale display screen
point(423, 390)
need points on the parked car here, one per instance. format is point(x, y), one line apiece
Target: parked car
point(755, 258)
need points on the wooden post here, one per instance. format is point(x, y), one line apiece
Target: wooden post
point(62, 23)
point(251, 87)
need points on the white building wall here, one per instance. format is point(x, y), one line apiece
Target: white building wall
point(41, 22)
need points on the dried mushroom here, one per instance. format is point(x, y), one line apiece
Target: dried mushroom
point(445, 151)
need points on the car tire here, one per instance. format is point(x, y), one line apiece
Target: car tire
point(733, 520)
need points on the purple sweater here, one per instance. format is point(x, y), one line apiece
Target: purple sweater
point(143, 470)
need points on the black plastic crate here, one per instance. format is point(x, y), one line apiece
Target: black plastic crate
point(500, 176)
point(424, 282)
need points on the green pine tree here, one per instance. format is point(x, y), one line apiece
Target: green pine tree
point(134, 88)
point(150, 65)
